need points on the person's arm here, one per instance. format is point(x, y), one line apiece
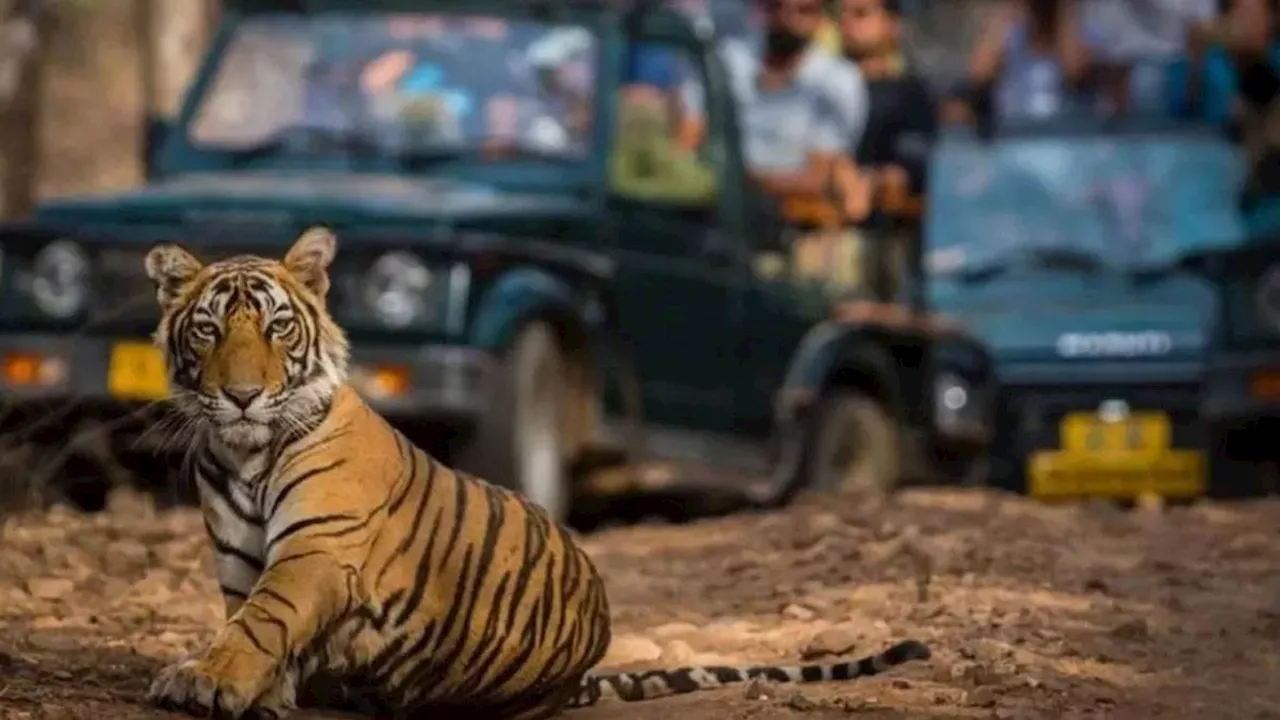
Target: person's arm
point(809, 180)
point(855, 191)
point(1073, 53)
point(854, 185)
point(382, 73)
point(988, 53)
point(691, 128)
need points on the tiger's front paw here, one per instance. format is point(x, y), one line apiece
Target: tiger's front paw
point(219, 685)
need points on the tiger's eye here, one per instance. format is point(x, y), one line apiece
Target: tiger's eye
point(280, 326)
point(205, 329)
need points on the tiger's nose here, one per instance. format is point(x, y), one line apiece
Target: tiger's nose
point(242, 395)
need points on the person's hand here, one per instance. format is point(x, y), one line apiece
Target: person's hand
point(955, 111)
point(893, 185)
point(856, 190)
point(893, 192)
point(383, 73)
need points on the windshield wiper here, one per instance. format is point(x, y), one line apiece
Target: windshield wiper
point(1152, 273)
point(420, 159)
point(982, 274)
point(1065, 257)
point(308, 140)
point(1051, 258)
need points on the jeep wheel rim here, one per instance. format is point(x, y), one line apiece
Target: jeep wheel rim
point(540, 463)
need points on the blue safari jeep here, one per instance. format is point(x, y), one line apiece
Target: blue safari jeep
point(1064, 248)
point(539, 284)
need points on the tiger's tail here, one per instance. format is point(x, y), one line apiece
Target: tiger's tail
point(651, 684)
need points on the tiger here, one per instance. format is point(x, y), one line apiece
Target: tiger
point(349, 559)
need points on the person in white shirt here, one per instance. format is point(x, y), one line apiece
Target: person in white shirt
point(1138, 39)
point(801, 107)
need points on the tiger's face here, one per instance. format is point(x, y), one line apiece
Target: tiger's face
point(251, 350)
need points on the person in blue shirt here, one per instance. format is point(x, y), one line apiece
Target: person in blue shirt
point(653, 65)
point(1230, 58)
point(1233, 80)
point(1036, 59)
point(656, 76)
point(1139, 39)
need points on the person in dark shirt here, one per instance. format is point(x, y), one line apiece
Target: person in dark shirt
point(894, 149)
point(1238, 84)
point(893, 154)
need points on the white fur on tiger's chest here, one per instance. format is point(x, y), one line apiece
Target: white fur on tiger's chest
point(238, 536)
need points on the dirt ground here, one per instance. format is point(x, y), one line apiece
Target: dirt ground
point(1032, 611)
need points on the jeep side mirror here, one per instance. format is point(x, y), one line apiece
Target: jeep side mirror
point(156, 132)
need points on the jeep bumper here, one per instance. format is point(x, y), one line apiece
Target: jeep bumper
point(1031, 452)
point(430, 383)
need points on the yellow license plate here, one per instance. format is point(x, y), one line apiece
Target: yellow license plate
point(1121, 458)
point(137, 372)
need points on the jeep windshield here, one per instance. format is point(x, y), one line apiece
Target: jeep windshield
point(405, 88)
point(1128, 204)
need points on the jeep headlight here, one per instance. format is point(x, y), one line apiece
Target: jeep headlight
point(60, 279)
point(398, 289)
point(957, 409)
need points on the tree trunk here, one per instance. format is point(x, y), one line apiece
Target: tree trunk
point(23, 26)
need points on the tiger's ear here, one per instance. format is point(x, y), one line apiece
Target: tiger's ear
point(170, 268)
point(310, 257)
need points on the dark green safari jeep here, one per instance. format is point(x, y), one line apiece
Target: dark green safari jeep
point(552, 267)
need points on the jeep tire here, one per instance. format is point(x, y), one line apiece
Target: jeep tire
point(519, 444)
point(853, 445)
point(1232, 478)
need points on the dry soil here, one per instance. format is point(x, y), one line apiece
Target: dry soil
point(1032, 611)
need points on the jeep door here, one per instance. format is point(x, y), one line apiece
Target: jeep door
point(680, 272)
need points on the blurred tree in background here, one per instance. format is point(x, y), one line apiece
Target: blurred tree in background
point(77, 80)
point(24, 30)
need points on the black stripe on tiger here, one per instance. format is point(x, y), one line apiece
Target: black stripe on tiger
point(651, 684)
